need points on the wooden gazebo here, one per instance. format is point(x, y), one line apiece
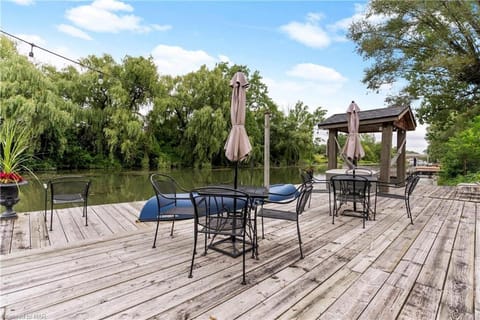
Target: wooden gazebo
point(384, 120)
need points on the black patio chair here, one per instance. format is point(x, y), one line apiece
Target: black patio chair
point(221, 211)
point(408, 186)
point(351, 189)
point(173, 201)
point(300, 196)
point(319, 185)
point(65, 190)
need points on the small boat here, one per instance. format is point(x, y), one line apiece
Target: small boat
point(278, 192)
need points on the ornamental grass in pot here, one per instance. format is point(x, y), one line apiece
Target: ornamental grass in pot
point(14, 156)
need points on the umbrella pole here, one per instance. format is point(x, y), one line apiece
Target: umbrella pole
point(235, 176)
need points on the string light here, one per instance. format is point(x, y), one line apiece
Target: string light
point(100, 78)
point(31, 55)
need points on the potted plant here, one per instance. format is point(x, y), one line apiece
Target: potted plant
point(14, 143)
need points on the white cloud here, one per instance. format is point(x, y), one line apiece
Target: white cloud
point(416, 139)
point(315, 72)
point(107, 16)
point(344, 24)
point(112, 5)
point(224, 58)
point(309, 33)
point(158, 27)
point(101, 20)
point(75, 32)
point(286, 93)
point(173, 60)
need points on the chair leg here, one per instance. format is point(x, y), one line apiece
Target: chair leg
point(190, 275)
point(334, 211)
point(255, 235)
point(205, 245)
point(329, 203)
point(263, 231)
point(156, 232)
point(365, 213)
point(244, 282)
point(173, 224)
point(299, 239)
point(409, 211)
point(51, 217)
point(85, 210)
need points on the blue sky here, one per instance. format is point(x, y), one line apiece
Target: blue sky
point(299, 48)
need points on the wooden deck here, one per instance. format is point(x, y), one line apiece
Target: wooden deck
point(391, 269)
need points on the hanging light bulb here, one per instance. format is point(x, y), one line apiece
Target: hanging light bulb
point(100, 78)
point(30, 54)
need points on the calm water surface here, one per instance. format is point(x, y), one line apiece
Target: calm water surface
point(128, 186)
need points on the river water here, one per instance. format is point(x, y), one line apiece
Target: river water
point(128, 186)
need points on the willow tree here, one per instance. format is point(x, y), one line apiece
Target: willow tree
point(206, 133)
point(31, 98)
point(432, 47)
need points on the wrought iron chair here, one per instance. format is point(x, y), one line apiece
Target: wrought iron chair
point(171, 204)
point(221, 211)
point(300, 196)
point(319, 185)
point(351, 189)
point(65, 190)
point(409, 185)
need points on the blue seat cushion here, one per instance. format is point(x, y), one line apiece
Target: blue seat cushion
point(150, 209)
point(282, 192)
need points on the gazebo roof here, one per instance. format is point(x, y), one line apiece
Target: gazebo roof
point(372, 120)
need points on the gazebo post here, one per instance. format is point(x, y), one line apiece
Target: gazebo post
point(401, 169)
point(332, 149)
point(387, 133)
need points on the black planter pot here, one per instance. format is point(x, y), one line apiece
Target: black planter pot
point(9, 197)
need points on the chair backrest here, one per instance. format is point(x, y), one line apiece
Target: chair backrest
point(306, 177)
point(350, 185)
point(219, 201)
point(305, 194)
point(69, 188)
point(165, 189)
point(411, 184)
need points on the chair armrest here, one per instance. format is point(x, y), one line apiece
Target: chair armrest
point(316, 180)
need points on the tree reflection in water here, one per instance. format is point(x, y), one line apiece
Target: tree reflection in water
point(129, 186)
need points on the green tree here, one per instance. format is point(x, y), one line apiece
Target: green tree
point(32, 99)
point(464, 157)
point(206, 134)
point(432, 47)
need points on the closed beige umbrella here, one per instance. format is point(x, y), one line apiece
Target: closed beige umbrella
point(238, 145)
point(353, 149)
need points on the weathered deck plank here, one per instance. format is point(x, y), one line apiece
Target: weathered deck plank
point(457, 299)
point(390, 269)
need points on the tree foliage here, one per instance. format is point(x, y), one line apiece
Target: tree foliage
point(433, 48)
point(136, 118)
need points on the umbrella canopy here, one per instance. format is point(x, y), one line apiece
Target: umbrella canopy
point(353, 149)
point(238, 145)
